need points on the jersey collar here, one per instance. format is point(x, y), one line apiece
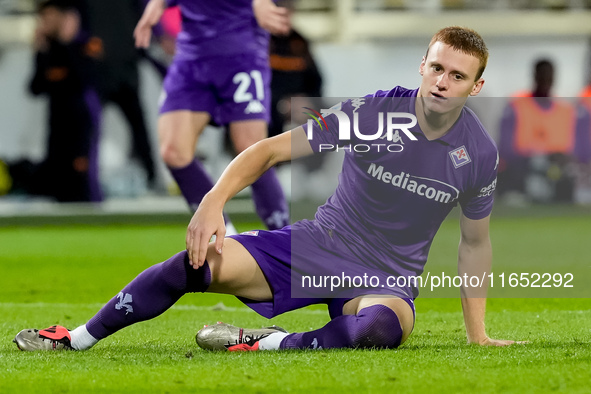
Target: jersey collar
point(451, 138)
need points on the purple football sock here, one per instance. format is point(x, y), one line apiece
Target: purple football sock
point(375, 326)
point(270, 201)
point(149, 294)
point(194, 183)
point(94, 107)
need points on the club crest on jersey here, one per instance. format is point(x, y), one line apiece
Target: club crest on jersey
point(460, 156)
point(251, 233)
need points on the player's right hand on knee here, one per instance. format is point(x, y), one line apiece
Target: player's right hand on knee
point(207, 221)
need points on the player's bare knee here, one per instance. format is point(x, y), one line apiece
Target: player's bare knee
point(175, 157)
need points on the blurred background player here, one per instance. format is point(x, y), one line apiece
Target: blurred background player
point(537, 143)
point(294, 73)
point(167, 31)
point(65, 64)
point(583, 143)
point(113, 22)
point(220, 72)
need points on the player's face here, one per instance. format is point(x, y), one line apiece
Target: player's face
point(49, 22)
point(449, 77)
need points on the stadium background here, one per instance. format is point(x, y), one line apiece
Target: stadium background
point(360, 46)
point(56, 268)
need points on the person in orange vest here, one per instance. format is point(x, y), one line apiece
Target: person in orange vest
point(583, 147)
point(583, 140)
point(66, 56)
point(537, 141)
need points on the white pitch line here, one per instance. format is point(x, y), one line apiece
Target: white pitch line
point(97, 306)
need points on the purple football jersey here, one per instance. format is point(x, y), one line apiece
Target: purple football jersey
point(219, 28)
point(389, 203)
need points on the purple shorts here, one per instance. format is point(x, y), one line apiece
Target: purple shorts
point(272, 250)
point(230, 89)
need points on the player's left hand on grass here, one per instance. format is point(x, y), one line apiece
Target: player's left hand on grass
point(207, 221)
point(270, 17)
point(498, 342)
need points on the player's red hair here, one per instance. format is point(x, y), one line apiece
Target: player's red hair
point(464, 40)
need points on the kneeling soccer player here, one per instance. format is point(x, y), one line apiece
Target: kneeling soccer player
point(385, 212)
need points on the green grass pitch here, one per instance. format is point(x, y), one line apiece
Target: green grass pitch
point(63, 274)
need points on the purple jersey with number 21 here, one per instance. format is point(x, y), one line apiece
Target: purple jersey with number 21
point(219, 28)
point(221, 65)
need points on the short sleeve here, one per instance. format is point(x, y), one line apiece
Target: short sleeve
point(477, 202)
